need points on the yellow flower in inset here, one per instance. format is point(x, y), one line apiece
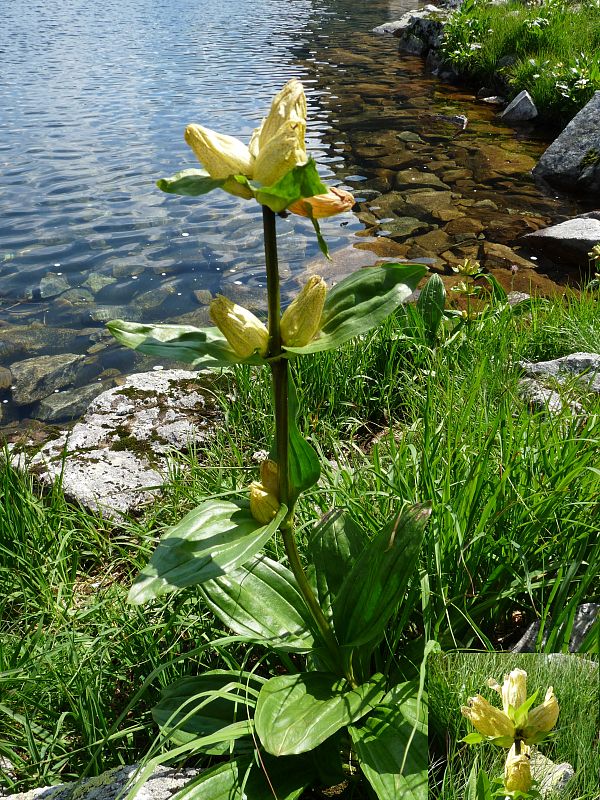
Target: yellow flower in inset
point(264, 505)
point(269, 476)
point(336, 201)
point(517, 770)
point(488, 719)
point(514, 689)
point(301, 321)
point(245, 333)
point(542, 718)
point(276, 147)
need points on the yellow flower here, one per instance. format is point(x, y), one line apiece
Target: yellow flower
point(264, 505)
point(517, 770)
point(514, 689)
point(269, 476)
point(468, 268)
point(488, 719)
point(276, 147)
point(245, 333)
point(542, 718)
point(336, 201)
point(301, 321)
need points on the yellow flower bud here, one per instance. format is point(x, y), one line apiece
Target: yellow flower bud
point(289, 105)
point(542, 718)
point(514, 689)
point(245, 333)
point(336, 201)
point(517, 770)
point(487, 719)
point(301, 321)
point(221, 155)
point(264, 505)
point(269, 476)
point(284, 151)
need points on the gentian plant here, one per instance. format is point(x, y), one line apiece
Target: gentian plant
point(336, 714)
point(516, 727)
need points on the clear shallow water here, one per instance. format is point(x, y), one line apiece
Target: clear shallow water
point(95, 100)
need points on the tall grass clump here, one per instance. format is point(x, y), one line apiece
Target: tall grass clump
point(549, 48)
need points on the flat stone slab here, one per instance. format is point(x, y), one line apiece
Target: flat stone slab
point(116, 458)
point(571, 240)
point(162, 785)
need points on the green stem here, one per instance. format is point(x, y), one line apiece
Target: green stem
point(280, 372)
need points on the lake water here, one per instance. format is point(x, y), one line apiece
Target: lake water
point(95, 99)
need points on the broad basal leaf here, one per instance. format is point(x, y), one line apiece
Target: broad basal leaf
point(190, 182)
point(262, 600)
point(334, 546)
point(220, 700)
point(361, 302)
point(391, 745)
point(295, 713)
point(378, 580)
point(211, 540)
point(202, 347)
point(431, 304)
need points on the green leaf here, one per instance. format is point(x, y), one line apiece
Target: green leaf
point(320, 238)
point(431, 306)
point(498, 291)
point(361, 302)
point(214, 701)
point(301, 181)
point(305, 467)
point(190, 182)
point(473, 738)
point(519, 715)
point(261, 600)
point(296, 713)
point(202, 347)
point(391, 745)
point(213, 539)
point(333, 548)
point(379, 578)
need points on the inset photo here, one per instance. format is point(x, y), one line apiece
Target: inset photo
point(505, 725)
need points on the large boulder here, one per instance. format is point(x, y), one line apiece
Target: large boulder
point(571, 240)
point(116, 458)
point(418, 30)
point(572, 162)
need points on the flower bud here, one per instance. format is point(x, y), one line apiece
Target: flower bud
point(301, 321)
point(264, 505)
point(221, 155)
point(487, 719)
point(517, 770)
point(269, 476)
point(245, 333)
point(542, 718)
point(336, 201)
point(514, 689)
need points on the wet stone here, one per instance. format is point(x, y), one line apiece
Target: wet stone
point(403, 227)
point(53, 284)
point(499, 255)
point(77, 296)
point(414, 178)
point(465, 228)
point(203, 296)
point(36, 378)
point(410, 136)
point(5, 379)
point(96, 281)
point(434, 241)
point(69, 404)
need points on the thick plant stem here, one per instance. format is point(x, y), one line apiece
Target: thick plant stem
point(280, 369)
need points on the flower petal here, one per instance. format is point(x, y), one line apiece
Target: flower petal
point(280, 154)
point(488, 719)
point(220, 154)
point(289, 105)
point(336, 201)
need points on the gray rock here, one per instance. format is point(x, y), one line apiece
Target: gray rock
point(520, 109)
point(585, 367)
point(390, 28)
point(421, 30)
point(572, 162)
point(96, 281)
point(585, 616)
point(516, 298)
point(53, 284)
point(540, 398)
point(116, 458)
point(38, 377)
point(418, 179)
point(107, 313)
point(5, 379)
point(571, 240)
point(70, 404)
point(161, 785)
point(553, 778)
point(403, 227)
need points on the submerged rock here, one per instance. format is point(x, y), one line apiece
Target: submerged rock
point(115, 459)
point(572, 162)
point(38, 377)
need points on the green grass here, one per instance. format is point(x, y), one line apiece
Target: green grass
point(514, 497)
point(454, 677)
point(550, 48)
